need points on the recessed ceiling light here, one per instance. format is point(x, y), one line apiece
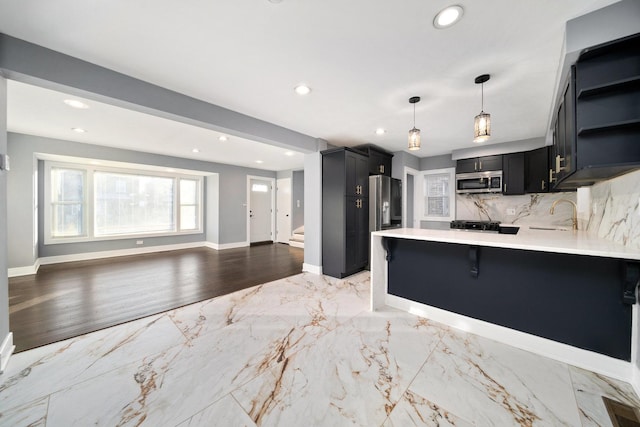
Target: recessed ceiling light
point(448, 16)
point(259, 161)
point(79, 130)
point(195, 150)
point(302, 89)
point(289, 153)
point(76, 104)
point(223, 138)
point(380, 131)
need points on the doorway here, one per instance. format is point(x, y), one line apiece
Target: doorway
point(283, 210)
point(261, 200)
point(408, 210)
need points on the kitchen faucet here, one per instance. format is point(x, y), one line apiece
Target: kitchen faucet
point(574, 219)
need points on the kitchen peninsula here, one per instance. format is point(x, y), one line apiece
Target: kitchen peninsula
point(564, 294)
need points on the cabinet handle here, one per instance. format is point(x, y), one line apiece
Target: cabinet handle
point(558, 161)
point(542, 184)
point(480, 168)
point(358, 189)
point(381, 168)
point(475, 166)
point(505, 188)
point(551, 177)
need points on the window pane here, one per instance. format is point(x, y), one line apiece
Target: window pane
point(67, 220)
point(67, 185)
point(131, 204)
point(67, 202)
point(188, 192)
point(436, 195)
point(188, 218)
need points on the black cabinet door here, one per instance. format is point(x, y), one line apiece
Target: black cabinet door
point(466, 165)
point(564, 163)
point(357, 174)
point(479, 164)
point(513, 173)
point(357, 234)
point(385, 165)
point(536, 171)
point(379, 163)
point(489, 163)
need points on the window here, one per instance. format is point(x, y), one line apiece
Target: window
point(68, 202)
point(86, 203)
point(438, 195)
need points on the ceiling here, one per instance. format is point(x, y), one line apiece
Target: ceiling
point(363, 60)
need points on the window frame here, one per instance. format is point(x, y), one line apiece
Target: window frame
point(89, 202)
point(451, 172)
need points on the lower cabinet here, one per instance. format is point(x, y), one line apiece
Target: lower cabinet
point(580, 300)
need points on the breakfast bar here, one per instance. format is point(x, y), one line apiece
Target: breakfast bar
point(566, 294)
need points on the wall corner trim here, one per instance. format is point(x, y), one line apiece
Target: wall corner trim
point(6, 350)
point(635, 379)
point(310, 268)
point(223, 246)
point(24, 271)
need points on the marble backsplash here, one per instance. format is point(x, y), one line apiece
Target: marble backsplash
point(615, 209)
point(528, 209)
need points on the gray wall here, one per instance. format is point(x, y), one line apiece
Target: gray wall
point(212, 212)
point(313, 211)
point(402, 159)
point(4, 282)
point(297, 197)
point(437, 162)
point(232, 190)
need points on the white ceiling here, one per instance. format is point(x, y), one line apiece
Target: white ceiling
point(362, 58)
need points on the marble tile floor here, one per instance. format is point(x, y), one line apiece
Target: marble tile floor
point(301, 351)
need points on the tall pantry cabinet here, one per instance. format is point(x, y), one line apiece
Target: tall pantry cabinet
point(345, 212)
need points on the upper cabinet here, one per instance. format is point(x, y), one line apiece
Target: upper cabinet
point(479, 164)
point(536, 170)
point(513, 173)
point(379, 159)
point(598, 119)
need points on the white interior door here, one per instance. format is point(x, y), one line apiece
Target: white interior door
point(260, 210)
point(283, 210)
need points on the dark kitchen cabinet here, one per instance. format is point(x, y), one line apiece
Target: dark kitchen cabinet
point(345, 212)
point(604, 93)
point(536, 170)
point(479, 164)
point(379, 159)
point(513, 173)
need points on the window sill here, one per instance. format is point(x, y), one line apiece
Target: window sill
point(67, 240)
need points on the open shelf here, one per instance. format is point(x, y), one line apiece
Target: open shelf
point(627, 83)
point(626, 124)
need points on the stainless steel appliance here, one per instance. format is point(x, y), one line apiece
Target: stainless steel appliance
point(385, 202)
point(479, 182)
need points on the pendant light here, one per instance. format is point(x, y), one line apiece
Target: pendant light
point(482, 122)
point(414, 134)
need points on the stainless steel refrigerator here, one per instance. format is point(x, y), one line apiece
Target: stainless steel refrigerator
point(385, 203)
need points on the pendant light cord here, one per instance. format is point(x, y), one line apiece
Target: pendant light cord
point(414, 115)
point(482, 98)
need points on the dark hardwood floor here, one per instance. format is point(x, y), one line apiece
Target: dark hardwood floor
point(70, 299)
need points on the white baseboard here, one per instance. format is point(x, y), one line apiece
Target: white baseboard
point(24, 271)
point(223, 246)
point(116, 253)
point(585, 359)
point(310, 268)
point(296, 244)
point(6, 350)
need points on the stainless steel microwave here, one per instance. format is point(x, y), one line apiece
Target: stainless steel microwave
point(479, 182)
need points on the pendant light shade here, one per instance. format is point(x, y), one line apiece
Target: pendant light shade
point(482, 122)
point(414, 134)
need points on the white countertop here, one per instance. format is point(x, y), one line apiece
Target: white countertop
point(566, 242)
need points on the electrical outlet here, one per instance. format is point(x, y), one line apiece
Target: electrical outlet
point(139, 242)
point(511, 211)
point(298, 202)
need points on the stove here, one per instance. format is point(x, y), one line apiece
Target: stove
point(461, 224)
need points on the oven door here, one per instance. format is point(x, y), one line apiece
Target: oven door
point(480, 182)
